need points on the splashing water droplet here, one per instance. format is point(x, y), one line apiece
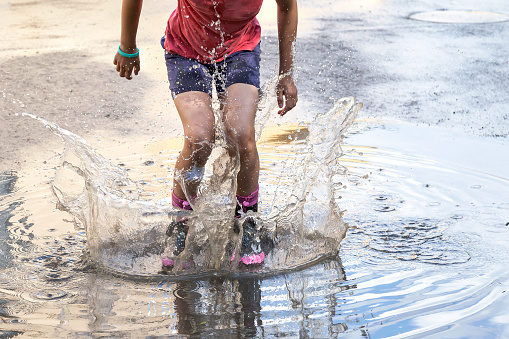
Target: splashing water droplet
point(385, 209)
point(50, 294)
point(128, 234)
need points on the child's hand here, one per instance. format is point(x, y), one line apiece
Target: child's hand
point(286, 93)
point(126, 66)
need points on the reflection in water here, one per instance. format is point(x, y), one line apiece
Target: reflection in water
point(234, 310)
point(433, 265)
point(420, 240)
point(297, 304)
point(7, 181)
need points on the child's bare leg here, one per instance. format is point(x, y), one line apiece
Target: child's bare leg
point(195, 110)
point(241, 101)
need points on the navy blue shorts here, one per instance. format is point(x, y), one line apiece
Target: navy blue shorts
point(186, 74)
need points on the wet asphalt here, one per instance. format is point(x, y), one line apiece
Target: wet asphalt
point(454, 75)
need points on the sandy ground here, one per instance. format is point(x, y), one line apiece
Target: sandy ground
point(56, 62)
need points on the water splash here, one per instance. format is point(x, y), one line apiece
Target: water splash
point(310, 225)
point(128, 234)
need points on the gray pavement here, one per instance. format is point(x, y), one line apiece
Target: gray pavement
point(451, 75)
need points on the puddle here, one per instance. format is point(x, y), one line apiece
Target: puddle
point(460, 17)
point(424, 254)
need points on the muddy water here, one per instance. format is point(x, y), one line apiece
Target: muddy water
point(424, 254)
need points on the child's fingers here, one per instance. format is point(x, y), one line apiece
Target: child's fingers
point(281, 102)
point(128, 71)
point(290, 103)
point(286, 95)
point(280, 97)
point(122, 71)
point(116, 62)
point(126, 66)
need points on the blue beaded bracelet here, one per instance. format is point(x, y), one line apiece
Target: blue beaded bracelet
point(127, 55)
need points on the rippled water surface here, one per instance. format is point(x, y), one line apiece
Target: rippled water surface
point(425, 254)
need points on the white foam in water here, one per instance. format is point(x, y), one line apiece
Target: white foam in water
point(128, 235)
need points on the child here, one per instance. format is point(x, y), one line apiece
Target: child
point(216, 42)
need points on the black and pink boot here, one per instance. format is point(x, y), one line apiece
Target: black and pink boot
point(179, 228)
point(251, 252)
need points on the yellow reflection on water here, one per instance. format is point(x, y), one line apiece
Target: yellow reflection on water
point(283, 134)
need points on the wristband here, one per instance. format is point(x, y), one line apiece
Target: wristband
point(127, 55)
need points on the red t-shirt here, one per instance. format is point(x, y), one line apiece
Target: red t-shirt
point(207, 30)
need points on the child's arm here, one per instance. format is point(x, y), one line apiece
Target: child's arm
point(287, 18)
point(131, 10)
